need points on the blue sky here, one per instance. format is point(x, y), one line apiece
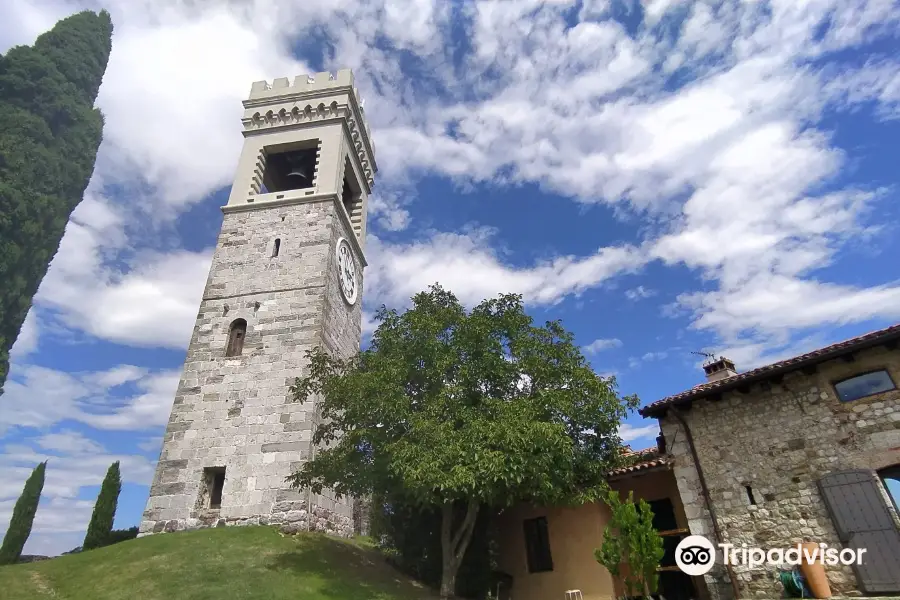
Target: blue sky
point(665, 176)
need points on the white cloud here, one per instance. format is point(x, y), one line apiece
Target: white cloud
point(386, 209)
point(40, 397)
point(635, 361)
point(70, 442)
point(414, 25)
point(645, 433)
point(29, 335)
point(150, 408)
point(23, 21)
point(601, 344)
point(152, 304)
point(773, 304)
point(750, 354)
point(466, 265)
point(639, 293)
point(877, 82)
point(116, 376)
point(153, 444)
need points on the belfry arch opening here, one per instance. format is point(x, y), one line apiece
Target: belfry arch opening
point(236, 334)
point(351, 197)
point(285, 167)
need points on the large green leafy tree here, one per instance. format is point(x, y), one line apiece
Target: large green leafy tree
point(49, 136)
point(23, 517)
point(462, 410)
point(100, 527)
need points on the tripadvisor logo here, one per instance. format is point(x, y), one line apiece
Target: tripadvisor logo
point(695, 555)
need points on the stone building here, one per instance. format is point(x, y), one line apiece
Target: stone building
point(796, 451)
point(286, 276)
point(799, 450)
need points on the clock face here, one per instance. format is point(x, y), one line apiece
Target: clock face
point(346, 271)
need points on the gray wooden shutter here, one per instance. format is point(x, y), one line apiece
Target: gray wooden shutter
point(863, 520)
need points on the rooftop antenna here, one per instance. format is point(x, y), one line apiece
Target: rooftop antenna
point(709, 357)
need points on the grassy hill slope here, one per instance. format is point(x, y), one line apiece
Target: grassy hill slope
point(235, 563)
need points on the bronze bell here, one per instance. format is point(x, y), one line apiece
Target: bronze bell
point(299, 167)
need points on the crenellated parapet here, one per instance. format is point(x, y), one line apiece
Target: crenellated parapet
point(312, 98)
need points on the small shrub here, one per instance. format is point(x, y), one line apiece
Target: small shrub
point(630, 539)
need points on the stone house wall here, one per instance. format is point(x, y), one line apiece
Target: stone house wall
point(779, 439)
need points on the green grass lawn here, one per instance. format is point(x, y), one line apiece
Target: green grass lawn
point(220, 563)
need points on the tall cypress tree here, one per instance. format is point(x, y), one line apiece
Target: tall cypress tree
point(98, 532)
point(49, 136)
point(23, 517)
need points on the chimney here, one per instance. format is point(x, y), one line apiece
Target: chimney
point(722, 368)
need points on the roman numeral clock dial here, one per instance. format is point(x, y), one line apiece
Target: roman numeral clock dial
point(347, 271)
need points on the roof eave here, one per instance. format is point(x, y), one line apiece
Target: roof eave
point(727, 385)
point(663, 466)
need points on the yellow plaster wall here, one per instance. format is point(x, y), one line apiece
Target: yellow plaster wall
point(574, 534)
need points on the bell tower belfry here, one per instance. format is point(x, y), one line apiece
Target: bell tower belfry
point(286, 276)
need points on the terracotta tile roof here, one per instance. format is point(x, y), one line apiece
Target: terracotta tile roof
point(627, 451)
point(648, 458)
point(868, 340)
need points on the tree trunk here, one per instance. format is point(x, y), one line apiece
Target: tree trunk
point(448, 580)
point(454, 544)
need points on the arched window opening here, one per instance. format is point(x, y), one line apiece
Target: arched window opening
point(276, 247)
point(236, 336)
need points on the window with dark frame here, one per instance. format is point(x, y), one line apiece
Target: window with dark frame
point(864, 384)
point(537, 545)
point(236, 334)
point(276, 247)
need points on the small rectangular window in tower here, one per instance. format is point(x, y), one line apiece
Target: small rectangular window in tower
point(276, 247)
point(291, 167)
point(214, 481)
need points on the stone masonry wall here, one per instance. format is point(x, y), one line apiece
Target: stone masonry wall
point(340, 335)
point(236, 412)
point(780, 439)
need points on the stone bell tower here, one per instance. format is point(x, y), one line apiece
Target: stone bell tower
point(286, 276)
